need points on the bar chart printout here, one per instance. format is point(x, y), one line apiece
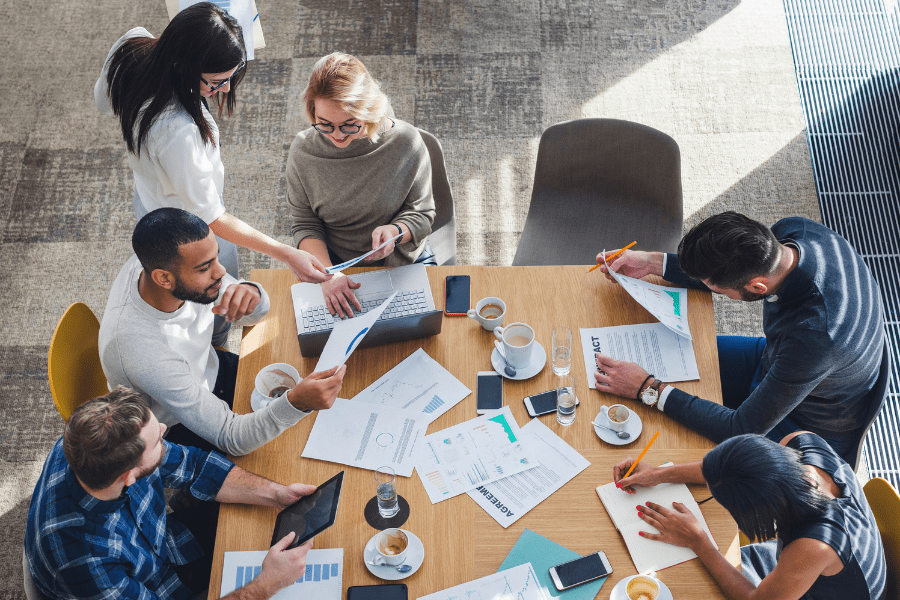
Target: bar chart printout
point(465, 456)
point(518, 583)
point(321, 580)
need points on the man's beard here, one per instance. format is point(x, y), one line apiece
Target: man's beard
point(751, 296)
point(188, 295)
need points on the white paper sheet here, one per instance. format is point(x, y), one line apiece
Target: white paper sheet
point(418, 383)
point(322, 579)
point(653, 346)
point(518, 583)
point(347, 336)
point(462, 457)
point(353, 261)
point(509, 498)
point(366, 436)
point(244, 11)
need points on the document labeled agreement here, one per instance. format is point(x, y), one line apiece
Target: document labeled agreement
point(366, 436)
point(509, 498)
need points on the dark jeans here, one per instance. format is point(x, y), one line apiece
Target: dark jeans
point(740, 369)
point(201, 518)
point(224, 389)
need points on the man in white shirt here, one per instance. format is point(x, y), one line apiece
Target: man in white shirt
point(156, 337)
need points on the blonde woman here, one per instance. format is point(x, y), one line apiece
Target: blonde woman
point(357, 178)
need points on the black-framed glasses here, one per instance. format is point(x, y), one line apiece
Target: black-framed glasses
point(345, 129)
point(213, 88)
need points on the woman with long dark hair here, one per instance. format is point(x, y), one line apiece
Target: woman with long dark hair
point(823, 542)
point(160, 88)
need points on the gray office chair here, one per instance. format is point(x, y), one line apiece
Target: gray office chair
point(876, 398)
point(443, 231)
point(600, 184)
point(31, 590)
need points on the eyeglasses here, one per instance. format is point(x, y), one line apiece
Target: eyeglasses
point(345, 129)
point(213, 88)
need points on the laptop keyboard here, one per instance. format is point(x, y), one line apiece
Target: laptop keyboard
point(408, 302)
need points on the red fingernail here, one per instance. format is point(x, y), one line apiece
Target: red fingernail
point(618, 484)
point(641, 533)
point(647, 503)
point(639, 507)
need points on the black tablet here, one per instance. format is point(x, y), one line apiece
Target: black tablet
point(310, 515)
point(391, 591)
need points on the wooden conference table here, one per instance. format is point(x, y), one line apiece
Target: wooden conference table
point(462, 542)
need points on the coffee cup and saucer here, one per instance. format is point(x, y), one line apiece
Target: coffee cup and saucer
point(617, 417)
point(640, 587)
point(521, 351)
point(271, 382)
point(392, 547)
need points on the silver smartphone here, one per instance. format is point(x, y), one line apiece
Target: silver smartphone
point(581, 570)
point(489, 394)
point(542, 404)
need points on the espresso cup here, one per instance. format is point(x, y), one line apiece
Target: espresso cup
point(390, 547)
point(642, 588)
point(274, 380)
point(518, 341)
point(489, 312)
point(616, 416)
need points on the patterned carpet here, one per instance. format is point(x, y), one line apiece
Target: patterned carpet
point(485, 77)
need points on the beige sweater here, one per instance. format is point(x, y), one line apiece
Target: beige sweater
point(340, 195)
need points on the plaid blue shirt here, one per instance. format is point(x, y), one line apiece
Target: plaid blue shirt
point(81, 547)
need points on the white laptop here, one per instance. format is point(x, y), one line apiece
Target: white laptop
point(410, 315)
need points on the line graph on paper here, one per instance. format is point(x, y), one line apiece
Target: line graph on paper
point(518, 583)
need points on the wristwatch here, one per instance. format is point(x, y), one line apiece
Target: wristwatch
point(650, 396)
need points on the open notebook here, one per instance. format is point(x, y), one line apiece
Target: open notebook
point(648, 555)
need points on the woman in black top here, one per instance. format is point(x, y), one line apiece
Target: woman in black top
point(827, 545)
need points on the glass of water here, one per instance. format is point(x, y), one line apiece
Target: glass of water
point(386, 491)
point(565, 400)
point(562, 351)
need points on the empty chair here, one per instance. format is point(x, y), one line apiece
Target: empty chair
point(600, 184)
point(885, 504)
point(73, 363)
point(875, 398)
point(443, 231)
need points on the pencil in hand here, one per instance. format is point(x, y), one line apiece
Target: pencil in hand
point(613, 255)
point(635, 463)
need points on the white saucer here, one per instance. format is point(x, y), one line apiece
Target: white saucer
point(415, 557)
point(258, 401)
point(633, 427)
point(618, 592)
point(538, 360)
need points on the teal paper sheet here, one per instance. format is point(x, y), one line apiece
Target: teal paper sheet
point(543, 554)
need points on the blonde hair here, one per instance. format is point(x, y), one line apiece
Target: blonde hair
point(344, 79)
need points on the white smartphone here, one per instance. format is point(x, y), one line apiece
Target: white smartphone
point(489, 394)
point(581, 570)
point(542, 404)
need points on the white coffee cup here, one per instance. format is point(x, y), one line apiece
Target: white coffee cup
point(518, 341)
point(493, 320)
point(616, 416)
point(274, 380)
point(391, 546)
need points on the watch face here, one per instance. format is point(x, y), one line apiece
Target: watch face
point(650, 396)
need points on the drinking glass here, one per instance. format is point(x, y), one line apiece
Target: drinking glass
point(386, 491)
point(565, 400)
point(562, 351)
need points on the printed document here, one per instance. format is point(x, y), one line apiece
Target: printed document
point(667, 304)
point(509, 498)
point(418, 383)
point(353, 261)
point(347, 336)
point(462, 457)
point(321, 580)
point(366, 436)
point(517, 583)
point(653, 346)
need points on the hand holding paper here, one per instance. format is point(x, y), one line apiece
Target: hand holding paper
point(353, 261)
point(347, 335)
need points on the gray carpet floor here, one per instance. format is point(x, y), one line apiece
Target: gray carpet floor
point(485, 77)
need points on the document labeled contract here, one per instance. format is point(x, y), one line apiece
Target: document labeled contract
point(366, 436)
point(465, 456)
point(517, 583)
point(321, 580)
point(656, 348)
point(509, 498)
point(418, 383)
point(347, 335)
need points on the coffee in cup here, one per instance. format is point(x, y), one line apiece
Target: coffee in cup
point(642, 588)
point(518, 341)
point(391, 546)
point(489, 312)
point(616, 416)
point(276, 379)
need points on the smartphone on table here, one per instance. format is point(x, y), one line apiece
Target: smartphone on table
point(489, 392)
point(456, 295)
point(581, 570)
point(542, 404)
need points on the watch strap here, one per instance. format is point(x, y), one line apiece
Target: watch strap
point(641, 388)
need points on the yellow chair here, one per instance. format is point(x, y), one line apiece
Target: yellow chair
point(73, 364)
point(885, 504)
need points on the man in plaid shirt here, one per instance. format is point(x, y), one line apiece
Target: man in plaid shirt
point(97, 525)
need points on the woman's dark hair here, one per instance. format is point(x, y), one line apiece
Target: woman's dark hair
point(728, 250)
point(159, 233)
point(146, 74)
point(762, 484)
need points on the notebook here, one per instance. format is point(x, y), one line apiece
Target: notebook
point(649, 555)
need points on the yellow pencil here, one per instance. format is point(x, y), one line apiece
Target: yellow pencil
point(613, 255)
point(634, 464)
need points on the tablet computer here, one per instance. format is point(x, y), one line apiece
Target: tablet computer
point(391, 591)
point(310, 515)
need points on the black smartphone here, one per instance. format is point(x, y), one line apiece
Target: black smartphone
point(489, 394)
point(542, 404)
point(456, 295)
point(581, 570)
point(390, 591)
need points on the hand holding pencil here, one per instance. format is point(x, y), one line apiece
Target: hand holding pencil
point(644, 475)
point(631, 263)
